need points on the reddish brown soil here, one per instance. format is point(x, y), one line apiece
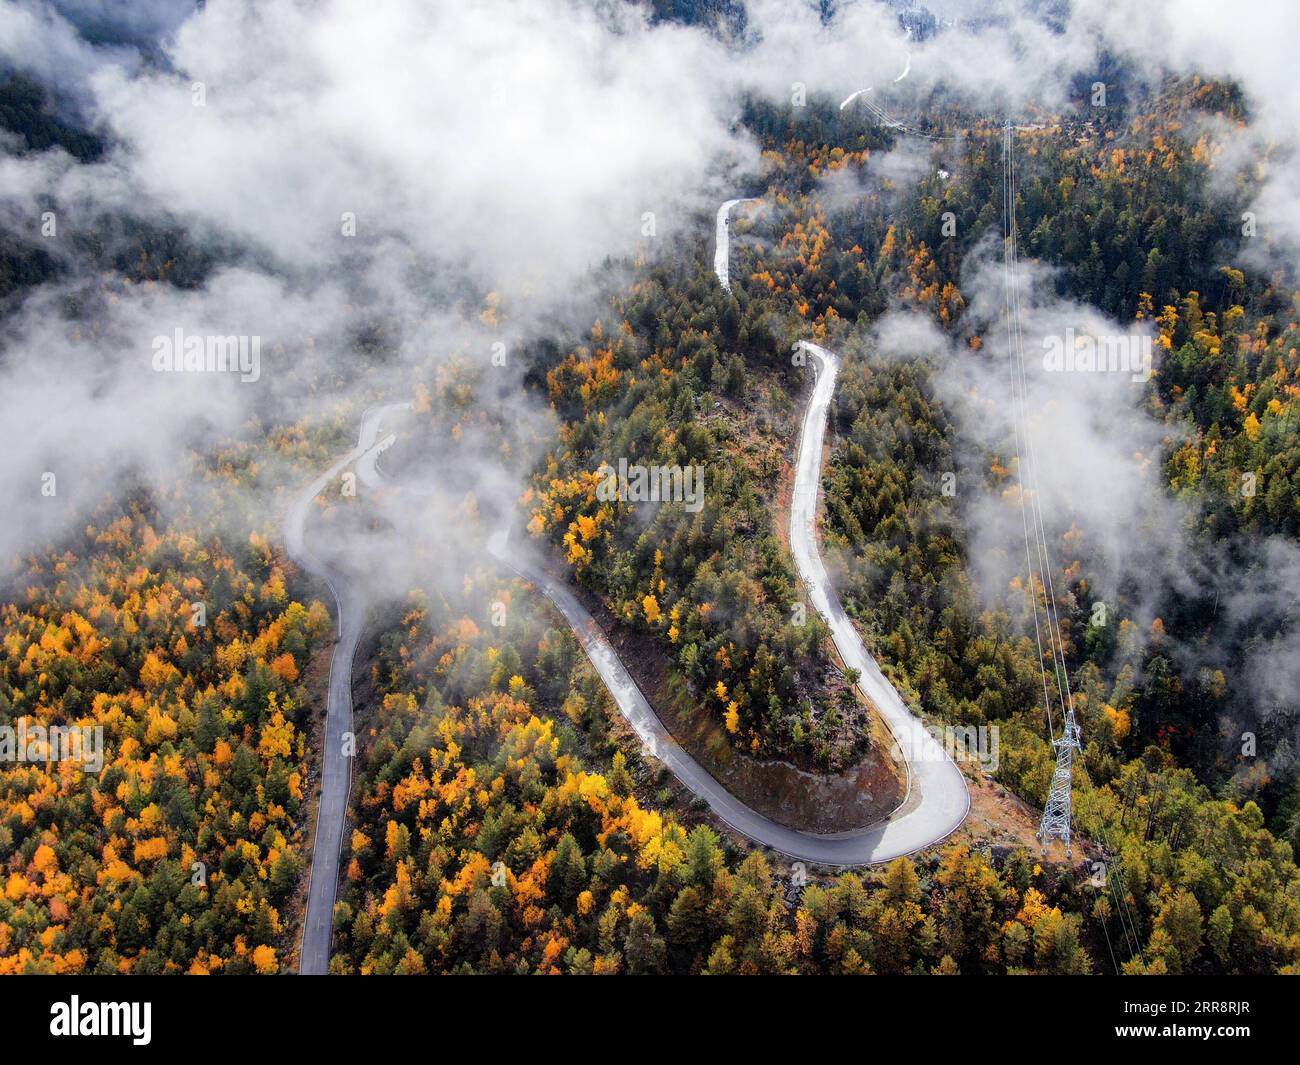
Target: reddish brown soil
point(788, 794)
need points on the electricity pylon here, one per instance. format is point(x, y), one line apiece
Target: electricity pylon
point(1056, 814)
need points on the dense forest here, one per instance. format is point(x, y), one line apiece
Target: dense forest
point(183, 854)
point(504, 818)
point(507, 822)
point(1122, 207)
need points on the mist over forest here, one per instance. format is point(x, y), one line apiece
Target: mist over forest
point(323, 325)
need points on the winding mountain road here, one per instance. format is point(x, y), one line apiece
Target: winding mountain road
point(937, 800)
point(722, 244)
point(916, 824)
point(907, 68)
point(336, 765)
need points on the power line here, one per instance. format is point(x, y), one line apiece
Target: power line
point(1056, 820)
point(1058, 812)
point(1007, 215)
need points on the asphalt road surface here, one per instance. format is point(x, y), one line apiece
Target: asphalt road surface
point(722, 245)
point(936, 802)
point(336, 765)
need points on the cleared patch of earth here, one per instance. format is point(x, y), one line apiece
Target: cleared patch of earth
point(999, 820)
point(799, 798)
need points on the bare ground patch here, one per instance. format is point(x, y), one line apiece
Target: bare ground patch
point(780, 790)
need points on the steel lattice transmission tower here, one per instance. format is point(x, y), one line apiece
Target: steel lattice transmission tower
point(1056, 814)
